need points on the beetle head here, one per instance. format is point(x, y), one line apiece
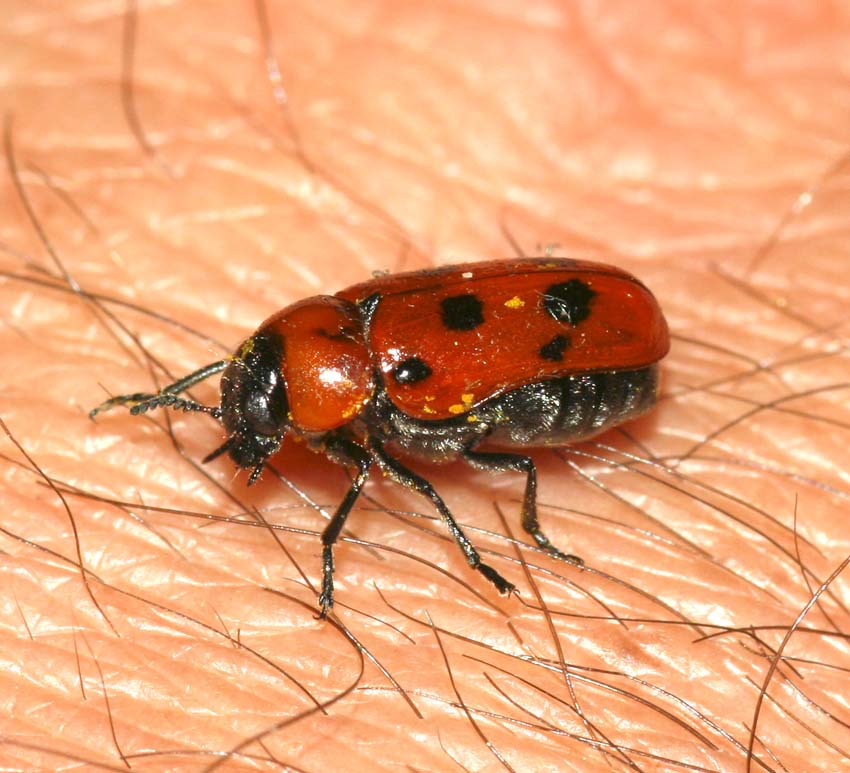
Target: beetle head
point(254, 405)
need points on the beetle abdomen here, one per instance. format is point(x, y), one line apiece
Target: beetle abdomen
point(554, 412)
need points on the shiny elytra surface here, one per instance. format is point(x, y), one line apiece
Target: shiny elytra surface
point(623, 329)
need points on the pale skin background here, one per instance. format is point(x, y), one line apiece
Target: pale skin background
point(671, 138)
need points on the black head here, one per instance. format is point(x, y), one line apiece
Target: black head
point(254, 406)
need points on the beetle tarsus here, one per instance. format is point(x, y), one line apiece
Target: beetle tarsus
point(502, 585)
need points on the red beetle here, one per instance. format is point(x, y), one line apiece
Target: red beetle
point(432, 364)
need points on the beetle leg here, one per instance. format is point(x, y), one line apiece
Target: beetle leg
point(345, 452)
point(496, 462)
point(167, 396)
point(409, 479)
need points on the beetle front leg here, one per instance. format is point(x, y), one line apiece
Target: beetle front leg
point(345, 452)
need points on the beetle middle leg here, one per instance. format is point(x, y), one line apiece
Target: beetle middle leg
point(409, 479)
point(497, 462)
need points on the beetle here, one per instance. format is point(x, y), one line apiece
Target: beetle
point(434, 364)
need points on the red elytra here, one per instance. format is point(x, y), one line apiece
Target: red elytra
point(625, 329)
point(435, 364)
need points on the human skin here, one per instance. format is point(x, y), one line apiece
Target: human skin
point(701, 150)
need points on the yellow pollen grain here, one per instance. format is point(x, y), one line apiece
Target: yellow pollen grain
point(467, 398)
point(515, 303)
point(427, 409)
point(472, 418)
point(247, 348)
point(457, 408)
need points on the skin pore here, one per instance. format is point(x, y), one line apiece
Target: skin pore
point(175, 173)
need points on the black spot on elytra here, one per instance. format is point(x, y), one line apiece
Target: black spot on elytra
point(411, 371)
point(555, 349)
point(568, 301)
point(462, 312)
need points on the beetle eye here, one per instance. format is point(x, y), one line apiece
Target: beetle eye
point(258, 414)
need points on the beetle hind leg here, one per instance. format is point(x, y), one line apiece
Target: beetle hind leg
point(497, 462)
point(409, 479)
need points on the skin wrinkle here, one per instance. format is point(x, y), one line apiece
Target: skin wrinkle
point(671, 147)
